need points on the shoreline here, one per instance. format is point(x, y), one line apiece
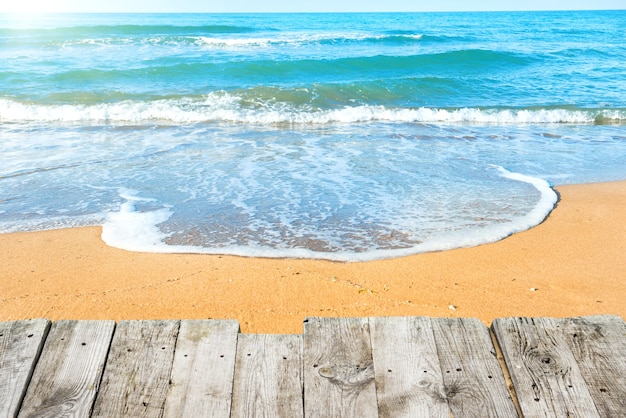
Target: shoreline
point(571, 264)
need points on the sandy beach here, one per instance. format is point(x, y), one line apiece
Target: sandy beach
point(572, 264)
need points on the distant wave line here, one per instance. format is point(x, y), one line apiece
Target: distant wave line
point(209, 37)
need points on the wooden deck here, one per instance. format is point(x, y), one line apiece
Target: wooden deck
point(339, 367)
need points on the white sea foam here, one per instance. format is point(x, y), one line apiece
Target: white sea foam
point(132, 230)
point(50, 223)
point(292, 39)
point(224, 107)
point(138, 231)
point(232, 43)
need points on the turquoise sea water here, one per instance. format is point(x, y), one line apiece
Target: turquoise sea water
point(339, 136)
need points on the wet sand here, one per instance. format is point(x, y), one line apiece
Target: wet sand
point(572, 264)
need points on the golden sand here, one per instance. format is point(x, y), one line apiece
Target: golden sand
point(572, 264)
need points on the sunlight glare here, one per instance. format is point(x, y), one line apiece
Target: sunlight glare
point(33, 6)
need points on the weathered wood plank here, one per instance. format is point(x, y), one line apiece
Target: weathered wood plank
point(408, 374)
point(20, 345)
point(338, 368)
point(599, 347)
point(473, 378)
point(268, 376)
point(201, 382)
point(66, 378)
point(137, 373)
point(543, 369)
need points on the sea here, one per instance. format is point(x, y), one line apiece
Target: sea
point(348, 137)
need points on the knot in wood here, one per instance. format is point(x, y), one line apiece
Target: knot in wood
point(349, 376)
point(547, 362)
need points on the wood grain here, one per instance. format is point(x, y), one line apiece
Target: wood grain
point(473, 379)
point(338, 368)
point(407, 371)
point(201, 381)
point(268, 376)
point(547, 380)
point(137, 373)
point(599, 347)
point(66, 379)
point(21, 343)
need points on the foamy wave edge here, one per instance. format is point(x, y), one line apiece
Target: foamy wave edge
point(230, 109)
point(138, 231)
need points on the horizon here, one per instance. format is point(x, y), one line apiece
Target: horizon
point(303, 13)
point(285, 6)
point(312, 12)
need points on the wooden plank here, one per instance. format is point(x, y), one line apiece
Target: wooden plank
point(599, 347)
point(408, 374)
point(137, 373)
point(268, 376)
point(543, 369)
point(201, 382)
point(65, 381)
point(338, 368)
point(20, 345)
point(473, 378)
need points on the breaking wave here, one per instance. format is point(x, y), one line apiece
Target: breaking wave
point(224, 107)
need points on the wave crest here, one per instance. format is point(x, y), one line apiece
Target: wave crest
point(224, 107)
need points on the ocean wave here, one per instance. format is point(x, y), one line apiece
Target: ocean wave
point(463, 60)
point(218, 40)
point(268, 70)
point(125, 35)
point(224, 107)
point(208, 36)
point(304, 39)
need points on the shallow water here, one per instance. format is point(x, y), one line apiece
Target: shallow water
point(340, 136)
